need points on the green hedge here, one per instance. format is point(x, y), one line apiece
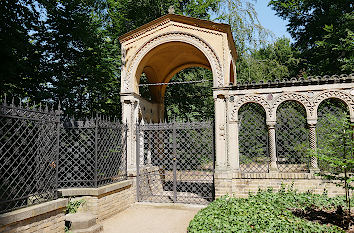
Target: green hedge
point(265, 211)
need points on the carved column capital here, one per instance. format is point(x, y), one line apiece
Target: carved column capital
point(271, 124)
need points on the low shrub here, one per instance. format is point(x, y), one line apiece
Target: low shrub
point(265, 211)
point(74, 205)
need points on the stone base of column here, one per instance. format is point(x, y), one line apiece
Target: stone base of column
point(131, 173)
point(273, 167)
point(314, 170)
point(223, 182)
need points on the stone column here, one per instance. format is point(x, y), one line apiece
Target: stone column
point(273, 167)
point(220, 133)
point(232, 133)
point(129, 117)
point(313, 144)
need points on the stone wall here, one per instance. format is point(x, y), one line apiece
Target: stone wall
point(104, 201)
point(46, 217)
point(240, 185)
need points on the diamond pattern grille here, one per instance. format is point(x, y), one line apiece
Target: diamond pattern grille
point(328, 126)
point(77, 156)
point(39, 153)
point(28, 149)
point(92, 153)
point(112, 164)
point(253, 138)
point(176, 162)
point(292, 137)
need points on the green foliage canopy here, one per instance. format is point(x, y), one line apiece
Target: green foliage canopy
point(323, 33)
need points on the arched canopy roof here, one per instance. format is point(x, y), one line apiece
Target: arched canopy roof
point(166, 60)
point(167, 45)
point(221, 27)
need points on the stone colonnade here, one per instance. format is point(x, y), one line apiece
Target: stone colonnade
point(309, 93)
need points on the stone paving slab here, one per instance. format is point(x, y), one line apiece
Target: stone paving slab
point(152, 218)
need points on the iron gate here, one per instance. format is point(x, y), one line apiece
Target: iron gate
point(175, 162)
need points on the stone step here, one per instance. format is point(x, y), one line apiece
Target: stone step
point(83, 223)
point(98, 228)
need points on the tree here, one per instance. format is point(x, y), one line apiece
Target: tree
point(335, 150)
point(193, 102)
point(20, 50)
point(274, 61)
point(248, 32)
point(320, 29)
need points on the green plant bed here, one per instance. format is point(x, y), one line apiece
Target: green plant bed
point(268, 211)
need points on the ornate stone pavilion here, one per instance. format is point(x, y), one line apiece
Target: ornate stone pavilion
point(167, 45)
point(161, 49)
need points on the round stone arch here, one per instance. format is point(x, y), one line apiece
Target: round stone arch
point(131, 81)
point(250, 99)
point(300, 98)
point(341, 95)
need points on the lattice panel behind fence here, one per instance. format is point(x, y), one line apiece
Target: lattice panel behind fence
point(253, 138)
point(28, 150)
point(292, 137)
point(176, 162)
point(333, 116)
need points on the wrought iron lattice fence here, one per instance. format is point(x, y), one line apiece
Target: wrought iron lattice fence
point(253, 138)
point(333, 115)
point(92, 153)
point(41, 152)
point(28, 155)
point(175, 162)
point(292, 137)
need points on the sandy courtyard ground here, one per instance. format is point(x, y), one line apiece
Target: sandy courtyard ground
point(152, 218)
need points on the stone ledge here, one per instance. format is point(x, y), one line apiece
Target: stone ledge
point(71, 192)
point(32, 211)
point(274, 176)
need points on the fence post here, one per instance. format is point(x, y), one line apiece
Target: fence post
point(57, 118)
point(174, 161)
point(125, 148)
point(137, 131)
point(96, 146)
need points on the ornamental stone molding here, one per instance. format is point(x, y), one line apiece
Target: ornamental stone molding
point(249, 99)
point(271, 95)
point(199, 43)
point(300, 98)
point(346, 97)
point(169, 44)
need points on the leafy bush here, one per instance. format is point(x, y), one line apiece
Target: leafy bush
point(265, 211)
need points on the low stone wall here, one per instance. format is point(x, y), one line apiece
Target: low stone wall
point(104, 201)
point(241, 184)
point(46, 217)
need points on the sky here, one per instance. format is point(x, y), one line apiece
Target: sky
point(269, 20)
